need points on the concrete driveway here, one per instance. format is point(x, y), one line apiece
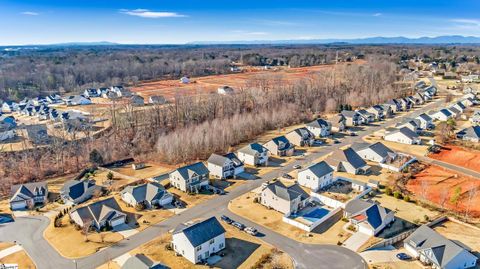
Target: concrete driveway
point(355, 241)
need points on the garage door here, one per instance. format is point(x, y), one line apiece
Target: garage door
point(117, 221)
point(18, 205)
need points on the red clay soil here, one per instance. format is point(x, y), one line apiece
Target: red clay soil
point(460, 156)
point(209, 84)
point(437, 179)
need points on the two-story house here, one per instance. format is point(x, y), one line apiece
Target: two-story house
point(287, 200)
point(253, 154)
point(225, 166)
point(280, 146)
point(190, 178)
point(319, 127)
point(301, 137)
point(316, 176)
point(352, 118)
point(26, 196)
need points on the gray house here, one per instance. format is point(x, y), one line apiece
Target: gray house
point(157, 99)
point(190, 178)
point(104, 213)
point(301, 137)
point(319, 127)
point(26, 196)
point(377, 111)
point(365, 116)
point(279, 197)
point(338, 123)
point(352, 118)
point(137, 100)
point(368, 217)
point(347, 160)
point(253, 154)
point(148, 195)
point(376, 152)
point(225, 166)
point(435, 250)
point(280, 146)
point(471, 134)
point(140, 261)
point(78, 191)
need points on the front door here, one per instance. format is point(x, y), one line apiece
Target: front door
point(207, 254)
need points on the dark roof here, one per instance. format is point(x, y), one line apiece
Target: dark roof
point(196, 168)
point(287, 193)
point(222, 159)
point(253, 149)
point(377, 147)
point(99, 210)
point(146, 192)
point(445, 112)
point(374, 212)
point(319, 169)
point(425, 117)
point(201, 232)
point(348, 113)
point(28, 189)
point(282, 142)
point(76, 188)
point(471, 132)
point(140, 261)
point(345, 155)
point(405, 131)
point(319, 123)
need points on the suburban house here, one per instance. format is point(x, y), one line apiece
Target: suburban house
point(454, 111)
point(376, 152)
point(316, 176)
point(347, 160)
point(157, 100)
point(78, 191)
point(92, 92)
point(395, 105)
point(365, 116)
point(377, 111)
point(280, 146)
point(190, 178)
point(149, 195)
point(137, 100)
point(420, 99)
point(225, 90)
point(140, 261)
point(403, 135)
point(253, 154)
point(319, 127)
point(77, 100)
point(26, 196)
point(338, 123)
point(352, 118)
point(301, 137)
point(225, 166)
point(120, 91)
point(426, 122)
point(433, 249)
point(471, 134)
point(6, 132)
point(460, 106)
point(105, 213)
point(184, 80)
point(470, 78)
point(388, 111)
point(368, 217)
point(9, 106)
point(412, 124)
point(198, 241)
point(281, 198)
point(404, 103)
point(475, 118)
point(441, 115)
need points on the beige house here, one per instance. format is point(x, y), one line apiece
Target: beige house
point(301, 137)
point(280, 146)
point(287, 200)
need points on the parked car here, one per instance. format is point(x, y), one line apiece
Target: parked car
point(403, 256)
point(353, 134)
point(226, 219)
point(336, 141)
point(287, 176)
point(238, 225)
point(297, 166)
point(251, 231)
point(179, 204)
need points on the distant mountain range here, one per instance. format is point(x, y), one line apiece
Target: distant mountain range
point(452, 39)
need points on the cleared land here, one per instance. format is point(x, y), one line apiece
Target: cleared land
point(466, 234)
point(432, 181)
point(405, 210)
point(20, 258)
point(460, 156)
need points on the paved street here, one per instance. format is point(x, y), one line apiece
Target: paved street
point(28, 231)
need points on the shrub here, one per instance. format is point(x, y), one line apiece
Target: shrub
point(344, 219)
point(397, 195)
point(110, 176)
point(388, 191)
point(351, 228)
point(139, 207)
point(406, 198)
point(416, 221)
point(426, 218)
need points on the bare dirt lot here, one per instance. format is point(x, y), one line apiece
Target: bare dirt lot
point(431, 182)
point(460, 156)
point(209, 84)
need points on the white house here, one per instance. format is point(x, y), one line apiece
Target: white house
point(225, 166)
point(433, 249)
point(441, 115)
point(376, 152)
point(287, 200)
point(319, 127)
point(77, 100)
point(404, 136)
point(190, 178)
point(184, 80)
point(77, 191)
point(316, 176)
point(368, 217)
point(347, 160)
point(198, 241)
point(149, 194)
point(26, 196)
point(426, 122)
point(253, 154)
point(471, 134)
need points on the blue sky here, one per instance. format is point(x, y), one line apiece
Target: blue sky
point(174, 22)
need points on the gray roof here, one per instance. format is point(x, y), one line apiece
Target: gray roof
point(253, 149)
point(318, 123)
point(374, 212)
point(319, 169)
point(287, 193)
point(345, 155)
point(201, 232)
point(140, 261)
point(27, 190)
point(377, 147)
point(301, 132)
point(443, 249)
point(76, 188)
point(348, 113)
point(405, 131)
point(222, 159)
point(471, 132)
point(425, 117)
point(98, 211)
point(195, 168)
point(281, 140)
point(146, 192)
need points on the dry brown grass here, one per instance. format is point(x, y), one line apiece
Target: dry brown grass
point(149, 171)
point(404, 210)
point(245, 207)
point(463, 233)
point(191, 200)
point(21, 258)
point(70, 242)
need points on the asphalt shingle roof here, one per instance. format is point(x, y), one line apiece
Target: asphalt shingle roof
point(287, 193)
point(146, 192)
point(346, 155)
point(195, 168)
point(253, 149)
point(319, 169)
point(201, 232)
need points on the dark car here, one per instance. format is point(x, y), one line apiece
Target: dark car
point(226, 219)
point(336, 142)
point(403, 256)
point(297, 166)
point(179, 204)
point(238, 225)
point(287, 176)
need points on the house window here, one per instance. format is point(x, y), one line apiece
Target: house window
point(308, 177)
point(199, 257)
point(221, 245)
point(199, 248)
point(212, 241)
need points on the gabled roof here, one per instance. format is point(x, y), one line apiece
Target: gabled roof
point(146, 192)
point(27, 190)
point(454, 110)
point(378, 147)
point(319, 169)
point(201, 232)
point(374, 213)
point(253, 149)
point(346, 155)
point(98, 211)
point(301, 132)
point(287, 193)
point(281, 141)
point(445, 112)
point(140, 261)
point(349, 113)
point(471, 132)
point(443, 249)
point(406, 132)
point(319, 123)
point(189, 170)
point(425, 117)
point(76, 188)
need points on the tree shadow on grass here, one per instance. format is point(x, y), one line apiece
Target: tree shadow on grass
point(236, 252)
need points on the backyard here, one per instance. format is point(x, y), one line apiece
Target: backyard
point(460, 156)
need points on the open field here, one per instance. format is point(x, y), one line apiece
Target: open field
point(242, 251)
point(416, 150)
point(460, 156)
point(209, 84)
point(431, 182)
point(403, 210)
point(245, 207)
point(20, 258)
point(150, 170)
point(466, 234)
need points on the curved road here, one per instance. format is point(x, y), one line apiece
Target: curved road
point(28, 231)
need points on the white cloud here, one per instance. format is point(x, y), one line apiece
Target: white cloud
point(377, 14)
point(30, 13)
point(242, 32)
point(145, 13)
point(467, 21)
point(466, 24)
